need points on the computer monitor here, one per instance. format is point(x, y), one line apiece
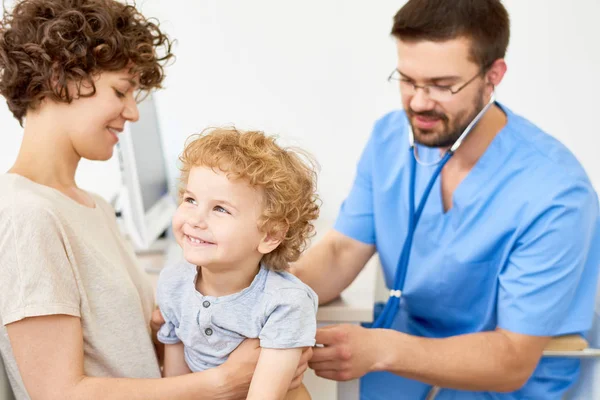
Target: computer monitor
point(145, 203)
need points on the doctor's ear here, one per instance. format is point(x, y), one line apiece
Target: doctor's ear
point(496, 72)
point(272, 239)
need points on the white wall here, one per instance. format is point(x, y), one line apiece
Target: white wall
point(314, 72)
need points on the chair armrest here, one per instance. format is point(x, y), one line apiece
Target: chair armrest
point(585, 353)
point(573, 346)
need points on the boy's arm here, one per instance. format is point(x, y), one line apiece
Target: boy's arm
point(274, 373)
point(175, 364)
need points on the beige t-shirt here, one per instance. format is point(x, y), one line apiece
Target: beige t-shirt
point(60, 257)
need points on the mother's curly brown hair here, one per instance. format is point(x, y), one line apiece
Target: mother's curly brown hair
point(287, 177)
point(45, 44)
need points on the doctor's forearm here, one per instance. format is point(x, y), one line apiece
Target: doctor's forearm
point(315, 268)
point(332, 264)
point(483, 361)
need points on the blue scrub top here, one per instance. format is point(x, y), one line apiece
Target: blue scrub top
point(519, 249)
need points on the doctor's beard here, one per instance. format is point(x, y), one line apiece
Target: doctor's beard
point(452, 127)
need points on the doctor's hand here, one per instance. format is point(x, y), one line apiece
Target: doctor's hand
point(349, 352)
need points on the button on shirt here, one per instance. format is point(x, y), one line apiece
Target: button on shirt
point(277, 308)
point(519, 249)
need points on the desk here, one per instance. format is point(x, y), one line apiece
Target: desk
point(354, 306)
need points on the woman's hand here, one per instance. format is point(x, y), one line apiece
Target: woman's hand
point(239, 368)
point(156, 322)
point(307, 354)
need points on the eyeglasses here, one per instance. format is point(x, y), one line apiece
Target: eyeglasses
point(435, 92)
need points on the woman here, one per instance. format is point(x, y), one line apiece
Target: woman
point(74, 305)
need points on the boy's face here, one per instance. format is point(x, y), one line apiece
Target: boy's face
point(216, 223)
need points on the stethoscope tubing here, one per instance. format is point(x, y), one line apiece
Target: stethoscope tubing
point(388, 315)
point(390, 310)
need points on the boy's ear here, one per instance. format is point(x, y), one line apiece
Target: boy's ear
point(270, 241)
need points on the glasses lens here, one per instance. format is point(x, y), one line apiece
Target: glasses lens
point(406, 87)
point(440, 94)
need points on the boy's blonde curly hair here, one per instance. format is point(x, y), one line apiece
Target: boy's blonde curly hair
point(287, 177)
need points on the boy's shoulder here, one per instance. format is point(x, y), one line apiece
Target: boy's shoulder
point(277, 280)
point(175, 276)
point(284, 285)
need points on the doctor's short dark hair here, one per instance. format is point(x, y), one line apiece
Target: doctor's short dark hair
point(485, 22)
point(47, 44)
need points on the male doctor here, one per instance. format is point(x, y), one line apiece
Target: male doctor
point(506, 252)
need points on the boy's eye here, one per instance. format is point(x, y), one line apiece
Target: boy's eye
point(189, 200)
point(221, 209)
point(119, 94)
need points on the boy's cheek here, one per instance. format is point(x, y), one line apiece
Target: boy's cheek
point(177, 223)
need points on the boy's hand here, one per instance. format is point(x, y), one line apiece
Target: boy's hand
point(156, 322)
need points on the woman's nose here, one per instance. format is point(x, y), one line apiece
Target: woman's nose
point(131, 112)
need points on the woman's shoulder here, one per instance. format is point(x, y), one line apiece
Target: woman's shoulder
point(23, 199)
point(104, 205)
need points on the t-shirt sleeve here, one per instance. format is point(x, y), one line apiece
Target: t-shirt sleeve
point(548, 286)
point(355, 218)
point(166, 296)
point(36, 271)
point(291, 320)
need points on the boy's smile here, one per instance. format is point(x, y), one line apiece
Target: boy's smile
point(216, 225)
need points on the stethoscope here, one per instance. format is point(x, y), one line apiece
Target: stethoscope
point(387, 316)
point(392, 306)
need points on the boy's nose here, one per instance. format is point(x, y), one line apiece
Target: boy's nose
point(199, 220)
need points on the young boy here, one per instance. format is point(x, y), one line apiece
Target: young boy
point(246, 207)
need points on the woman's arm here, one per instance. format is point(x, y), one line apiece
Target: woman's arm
point(274, 373)
point(240, 364)
point(49, 354)
point(175, 364)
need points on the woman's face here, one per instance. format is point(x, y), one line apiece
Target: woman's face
point(93, 123)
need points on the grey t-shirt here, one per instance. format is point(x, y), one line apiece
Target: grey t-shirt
point(277, 308)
